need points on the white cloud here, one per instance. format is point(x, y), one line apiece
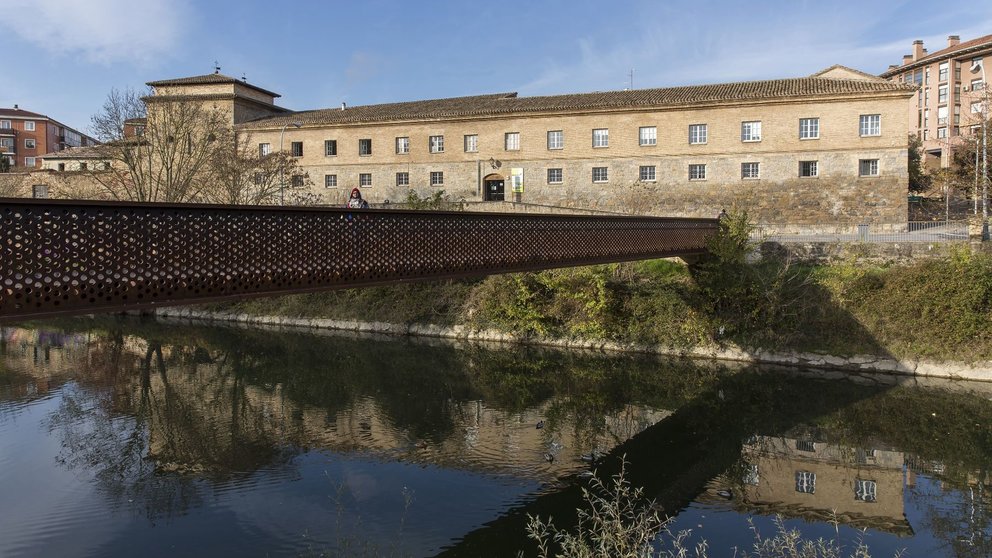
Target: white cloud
point(673, 46)
point(101, 31)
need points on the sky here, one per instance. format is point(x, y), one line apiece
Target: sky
point(64, 56)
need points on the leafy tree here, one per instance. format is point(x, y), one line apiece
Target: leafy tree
point(919, 180)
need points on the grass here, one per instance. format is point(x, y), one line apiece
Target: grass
point(618, 522)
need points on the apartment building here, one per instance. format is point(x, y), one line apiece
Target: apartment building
point(950, 101)
point(25, 137)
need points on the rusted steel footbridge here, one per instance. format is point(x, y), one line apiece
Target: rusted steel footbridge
point(70, 257)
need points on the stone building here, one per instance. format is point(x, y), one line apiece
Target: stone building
point(828, 149)
point(949, 104)
point(824, 150)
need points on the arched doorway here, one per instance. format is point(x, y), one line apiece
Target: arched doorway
point(492, 187)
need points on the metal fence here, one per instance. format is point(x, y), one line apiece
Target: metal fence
point(913, 231)
point(63, 257)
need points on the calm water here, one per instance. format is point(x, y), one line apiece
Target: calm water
point(120, 438)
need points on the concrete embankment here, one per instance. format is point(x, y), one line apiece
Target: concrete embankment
point(981, 371)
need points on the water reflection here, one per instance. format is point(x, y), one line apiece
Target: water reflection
point(367, 445)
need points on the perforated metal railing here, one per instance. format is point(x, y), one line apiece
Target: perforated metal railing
point(66, 257)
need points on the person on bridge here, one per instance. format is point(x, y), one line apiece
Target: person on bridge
point(356, 201)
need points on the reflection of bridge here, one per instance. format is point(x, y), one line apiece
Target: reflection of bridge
point(64, 257)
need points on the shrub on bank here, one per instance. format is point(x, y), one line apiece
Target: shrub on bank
point(939, 309)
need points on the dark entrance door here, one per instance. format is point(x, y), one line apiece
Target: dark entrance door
point(494, 190)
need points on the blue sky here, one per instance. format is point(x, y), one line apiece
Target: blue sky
point(68, 53)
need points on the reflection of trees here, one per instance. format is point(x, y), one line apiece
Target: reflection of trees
point(962, 521)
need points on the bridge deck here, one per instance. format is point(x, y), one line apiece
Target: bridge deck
point(70, 257)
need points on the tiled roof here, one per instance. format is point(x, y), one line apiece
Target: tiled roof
point(90, 152)
point(5, 112)
point(960, 46)
point(824, 71)
point(510, 103)
point(208, 79)
point(943, 53)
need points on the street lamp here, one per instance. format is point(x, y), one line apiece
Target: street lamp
point(282, 167)
point(980, 65)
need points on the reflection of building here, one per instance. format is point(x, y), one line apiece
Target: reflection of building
point(801, 478)
point(946, 109)
point(26, 136)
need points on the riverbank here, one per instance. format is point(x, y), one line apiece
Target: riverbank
point(856, 363)
point(930, 317)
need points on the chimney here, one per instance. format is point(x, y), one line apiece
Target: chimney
point(953, 40)
point(918, 50)
point(343, 106)
point(906, 59)
point(16, 107)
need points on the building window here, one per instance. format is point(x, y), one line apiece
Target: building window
point(29, 161)
point(869, 167)
point(402, 179)
point(751, 131)
point(4, 124)
point(7, 142)
point(805, 482)
point(471, 143)
point(330, 181)
point(941, 116)
point(297, 148)
point(865, 490)
point(809, 128)
point(437, 178)
point(697, 172)
point(365, 147)
point(942, 94)
point(437, 144)
point(871, 125)
point(942, 72)
point(601, 137)
point(39, 191)
point(647, 135)
point(977, 108)
point(82, 166)
point(556, 139)
point(365, 179)
point(697, 134)
point(402, 146)
point(330, 148)
point(511, 141)
point(806, 445)
point(647, 173)
point(29, 143)
point(808, 169)
point(297, 181)
point(750, 170)
point(554, 176)
point(600, 174)
point(61, 167)
point(139, 131)
point(941, 133)
point(29, 125)
point(976, 84)
point(264, 149)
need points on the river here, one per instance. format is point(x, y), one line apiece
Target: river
point(122, 437)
